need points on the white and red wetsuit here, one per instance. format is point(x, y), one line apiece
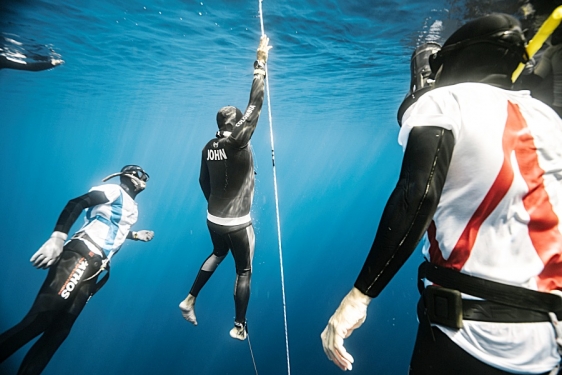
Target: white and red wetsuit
point(498, 214)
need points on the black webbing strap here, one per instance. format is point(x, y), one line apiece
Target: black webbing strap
point(509, 295)
point(85, 236)
point(103, 267)
point(101, 282)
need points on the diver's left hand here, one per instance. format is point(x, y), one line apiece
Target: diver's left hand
point(263, 49)
point(349, 315)
point(49, 253)
point(143, 235)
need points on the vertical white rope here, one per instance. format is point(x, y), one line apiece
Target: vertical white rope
point(252, 353)
point(276, 203)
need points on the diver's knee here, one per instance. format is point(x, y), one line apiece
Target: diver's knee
point(212, 262)
point(244, 272)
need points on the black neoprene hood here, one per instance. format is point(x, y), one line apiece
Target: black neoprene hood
point(225, 118)
point(483, 28)
point(501, 30)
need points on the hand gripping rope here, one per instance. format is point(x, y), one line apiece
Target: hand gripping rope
point(276, 211)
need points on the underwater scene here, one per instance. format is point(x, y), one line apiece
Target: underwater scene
point(140, 82)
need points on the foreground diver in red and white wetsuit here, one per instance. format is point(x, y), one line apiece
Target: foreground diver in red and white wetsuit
point(482, 175)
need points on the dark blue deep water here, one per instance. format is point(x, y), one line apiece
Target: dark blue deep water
point(141, 84)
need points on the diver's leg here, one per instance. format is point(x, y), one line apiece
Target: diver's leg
point(243, 244)
point(45, 347)
point(31, 326)
point(220, 249)
point(50, 306)
point(43, 312)
point(60, 305)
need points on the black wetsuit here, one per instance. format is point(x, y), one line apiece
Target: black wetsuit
point(62, 296)
point(227, 181)
point(227, 165)
point(34, 66)
point(410, 208)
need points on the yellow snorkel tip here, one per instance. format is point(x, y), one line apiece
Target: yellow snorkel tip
point(540, 37)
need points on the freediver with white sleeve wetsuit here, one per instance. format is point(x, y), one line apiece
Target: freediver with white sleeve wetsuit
point(74, 266)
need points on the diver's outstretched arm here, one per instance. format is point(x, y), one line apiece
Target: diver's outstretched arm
point(405, 219)
point(244, 129)
point(49, 253)
point(75, 206)
point(410, 208)
point(33, 66)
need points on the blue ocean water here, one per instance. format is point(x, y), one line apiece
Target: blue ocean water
point(141, 84)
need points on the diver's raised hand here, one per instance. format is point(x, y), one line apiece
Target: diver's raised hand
point(349, 315)
point(263, 49)
point(143, 235)
point(50, 252)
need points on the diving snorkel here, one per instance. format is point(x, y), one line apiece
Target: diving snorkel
point(137, 175)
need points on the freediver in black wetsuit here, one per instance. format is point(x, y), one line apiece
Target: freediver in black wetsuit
point(227, 181)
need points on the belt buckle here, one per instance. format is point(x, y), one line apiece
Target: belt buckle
point(444, 306)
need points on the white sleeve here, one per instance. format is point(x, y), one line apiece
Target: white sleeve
point(436, 108)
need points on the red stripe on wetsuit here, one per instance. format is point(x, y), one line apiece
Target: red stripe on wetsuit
point(543, 224)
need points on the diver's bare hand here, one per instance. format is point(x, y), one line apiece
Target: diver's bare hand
point(263, 49)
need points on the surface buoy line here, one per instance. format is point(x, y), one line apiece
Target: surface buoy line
point(276, 205)
point(252, 353)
